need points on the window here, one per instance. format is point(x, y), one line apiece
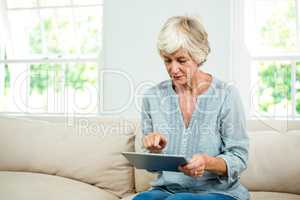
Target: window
point(49, 56)
point(270, 35)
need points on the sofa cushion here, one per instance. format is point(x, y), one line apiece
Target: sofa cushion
point(273, 196)
point(143, 179)
point(274, 163)
point(130, 197)
point(256, 196)
point(84, 150)
point(36, 186)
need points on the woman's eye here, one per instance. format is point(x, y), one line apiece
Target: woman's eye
point(182, 61)
point(167, 61)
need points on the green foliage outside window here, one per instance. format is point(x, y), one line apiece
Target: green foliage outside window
point(275, 78)
point(6, 79)
point(76, 76)
point(45, 75)
point(279, 31)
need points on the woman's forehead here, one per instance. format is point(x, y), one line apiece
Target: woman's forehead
point(180, 53)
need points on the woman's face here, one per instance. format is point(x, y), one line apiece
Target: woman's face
point(180, 67)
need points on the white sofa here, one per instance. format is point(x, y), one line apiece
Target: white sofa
point(79, 158)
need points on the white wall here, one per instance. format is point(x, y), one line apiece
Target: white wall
point(130, 31)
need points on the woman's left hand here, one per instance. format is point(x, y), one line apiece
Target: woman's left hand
point(196, 166)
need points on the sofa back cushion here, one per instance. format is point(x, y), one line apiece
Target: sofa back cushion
point(274, 163)
point(88, 151)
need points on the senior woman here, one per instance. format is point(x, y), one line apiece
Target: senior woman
point(196, 115)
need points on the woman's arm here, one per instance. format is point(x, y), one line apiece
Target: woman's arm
point(235, 141)
point(216, 165)
point(234, 150)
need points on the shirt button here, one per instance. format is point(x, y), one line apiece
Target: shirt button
point(235, 174)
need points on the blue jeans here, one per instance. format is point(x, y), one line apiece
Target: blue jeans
point(157, 194)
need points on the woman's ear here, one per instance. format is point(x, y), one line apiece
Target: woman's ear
point(201, 63)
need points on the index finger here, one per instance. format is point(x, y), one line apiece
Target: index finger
point(163, 139)
point(156, 140)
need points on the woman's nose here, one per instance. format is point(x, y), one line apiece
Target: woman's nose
point(174, 67)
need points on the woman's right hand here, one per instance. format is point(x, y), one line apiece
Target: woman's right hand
point(154, 142)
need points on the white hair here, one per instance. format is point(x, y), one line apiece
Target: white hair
point(187, 33)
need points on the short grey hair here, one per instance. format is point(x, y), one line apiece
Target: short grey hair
point(187, 33)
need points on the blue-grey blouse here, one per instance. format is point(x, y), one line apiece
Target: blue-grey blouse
point(217, 128)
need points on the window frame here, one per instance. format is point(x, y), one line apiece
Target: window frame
point(241, 57)
point(58, 59)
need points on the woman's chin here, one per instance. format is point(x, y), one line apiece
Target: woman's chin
point(179, 82)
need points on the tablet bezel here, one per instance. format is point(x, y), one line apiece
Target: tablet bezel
point(167, 164)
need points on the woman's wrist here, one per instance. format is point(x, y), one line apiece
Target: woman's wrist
point(215, 165)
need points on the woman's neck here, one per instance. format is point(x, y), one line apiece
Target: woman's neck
point(182, 89)
point(199, 84)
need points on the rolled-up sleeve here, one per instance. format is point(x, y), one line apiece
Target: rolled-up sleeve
point(235, 141)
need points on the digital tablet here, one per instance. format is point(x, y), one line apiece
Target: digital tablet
point(155, 162)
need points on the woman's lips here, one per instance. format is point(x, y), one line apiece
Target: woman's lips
point(177, 77)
